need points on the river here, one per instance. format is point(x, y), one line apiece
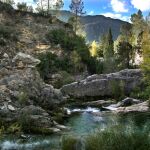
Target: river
point(81, 123)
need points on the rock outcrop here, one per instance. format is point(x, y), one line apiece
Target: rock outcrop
point(104, 84)
point(21, 87)
point(141, 107)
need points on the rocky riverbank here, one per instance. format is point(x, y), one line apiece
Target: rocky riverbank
point(28, 104)
point(24, 98)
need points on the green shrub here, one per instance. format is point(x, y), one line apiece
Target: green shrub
point(2, 129)
point(51, 63)
point(14, 128)
point(66, 78)
point(23, 97)
point(25, 122)
point(71, 143)
point(70, 42)
point(139, 93)
point(117, 88)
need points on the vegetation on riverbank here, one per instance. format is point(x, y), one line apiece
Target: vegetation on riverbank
point(114, 138)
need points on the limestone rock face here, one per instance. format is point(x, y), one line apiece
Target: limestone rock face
point(103, 84)
point(21, 87)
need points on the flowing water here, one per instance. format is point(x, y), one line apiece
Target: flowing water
point(82, 123)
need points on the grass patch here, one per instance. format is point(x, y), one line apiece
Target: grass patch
point(113, 138)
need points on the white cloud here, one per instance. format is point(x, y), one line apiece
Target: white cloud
point(91, 13)
point(143, 5)
point(118, 6)
point(116, 16)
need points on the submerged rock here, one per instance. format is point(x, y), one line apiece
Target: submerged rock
point(103, 84)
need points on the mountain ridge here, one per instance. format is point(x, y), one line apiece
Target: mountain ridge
point(96, 25)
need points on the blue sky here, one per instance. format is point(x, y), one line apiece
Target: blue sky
point(120, 9)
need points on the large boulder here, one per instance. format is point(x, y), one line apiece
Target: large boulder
point(104, 84)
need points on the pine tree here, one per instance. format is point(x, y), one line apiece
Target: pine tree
point(137, 30)
point(108, 53)
point(77, 7)
point(45, 6)
point(124, 55)
point(124, 51)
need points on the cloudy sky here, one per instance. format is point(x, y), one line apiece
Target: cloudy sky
point(121, 9)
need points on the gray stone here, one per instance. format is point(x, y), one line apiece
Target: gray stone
point(22, 60)
point(141, 107)
point(128, 102)
point(101, 85)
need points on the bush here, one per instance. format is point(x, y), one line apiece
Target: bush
point(66, 78)
point(14, 128)
point(70, 42)
point(51, 63)
point(117, 88)
point(139, 93)
point(23, 97)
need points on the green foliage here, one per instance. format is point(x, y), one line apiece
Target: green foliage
point(22, 6)
point(51, 63)
point(117, 88)
point(118, 138)
point(76, 8)
point(23, 97)
point(61, 37)
point(112, 138)
point(65, 78)
point(140, 93)
point(70, 143)
point(2, 130)
point(25, 122)
point(124, 55)
point(146, 58)
point(71, 43)
point(14, 128)
point(108, 52)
